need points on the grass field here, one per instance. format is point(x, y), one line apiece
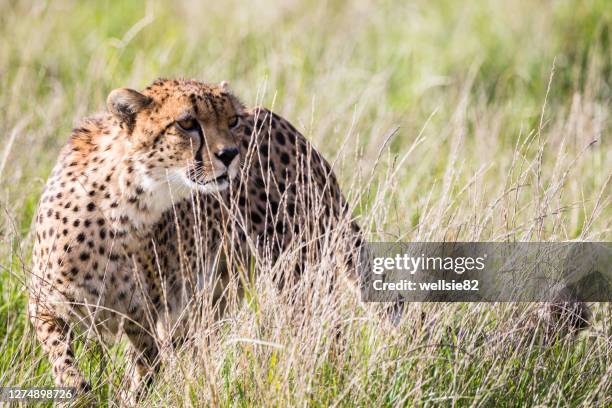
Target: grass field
point(503, 117)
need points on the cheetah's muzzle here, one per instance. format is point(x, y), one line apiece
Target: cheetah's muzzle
point(220, 181)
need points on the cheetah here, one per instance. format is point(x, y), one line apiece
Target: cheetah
point(143, 199)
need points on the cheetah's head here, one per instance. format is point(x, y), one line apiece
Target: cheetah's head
point(181, 133)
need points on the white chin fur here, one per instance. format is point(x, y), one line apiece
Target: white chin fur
point(207, 188)
point(212, 187)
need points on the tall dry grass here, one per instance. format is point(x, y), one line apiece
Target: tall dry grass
point(479, 122)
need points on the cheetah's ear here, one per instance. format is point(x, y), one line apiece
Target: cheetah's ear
point(125, 103)
point(225, 86)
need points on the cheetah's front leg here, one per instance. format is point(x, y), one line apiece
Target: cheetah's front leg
point(55, 335)
point(143, 361)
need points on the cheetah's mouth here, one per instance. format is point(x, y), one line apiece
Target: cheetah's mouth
point(198, 181)
point(217, 180)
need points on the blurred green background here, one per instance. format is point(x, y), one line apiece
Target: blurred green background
point(345, 72)
point(503, 109)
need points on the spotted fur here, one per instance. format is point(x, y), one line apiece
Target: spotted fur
point(144, 198)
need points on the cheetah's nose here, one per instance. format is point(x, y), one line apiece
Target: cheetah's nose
point(227, 155)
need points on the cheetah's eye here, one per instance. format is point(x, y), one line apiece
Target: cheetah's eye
point(233, 122)
point(188, 125)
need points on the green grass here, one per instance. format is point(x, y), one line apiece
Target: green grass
point(504, 120)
